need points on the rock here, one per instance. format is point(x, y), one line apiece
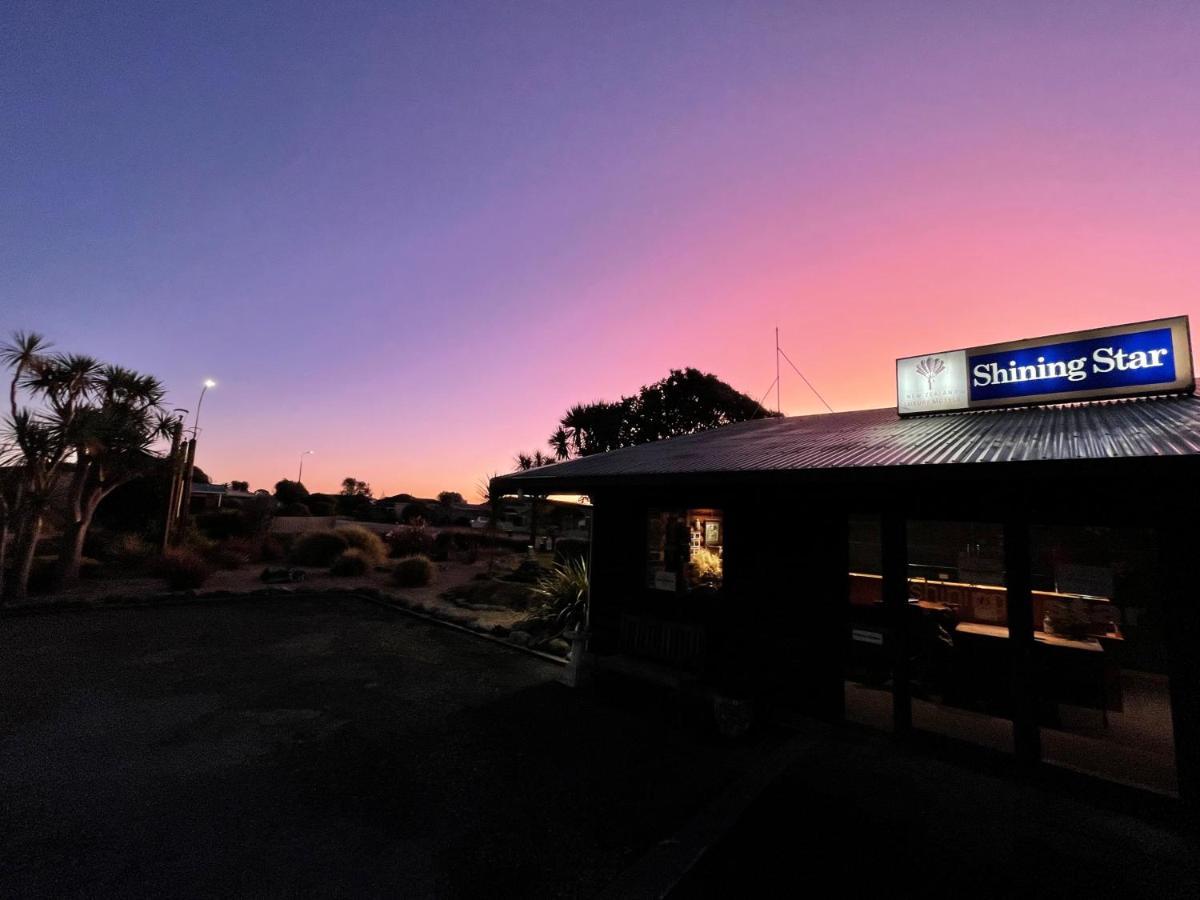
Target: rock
point(520, 638)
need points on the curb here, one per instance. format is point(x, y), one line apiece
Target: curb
point(398, 607)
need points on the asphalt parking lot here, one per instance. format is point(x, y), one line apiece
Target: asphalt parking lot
point(322, 746)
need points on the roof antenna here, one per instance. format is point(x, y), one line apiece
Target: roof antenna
point(778, 353)
point(778, 385)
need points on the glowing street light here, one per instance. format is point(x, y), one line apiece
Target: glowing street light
point(300, 474)
point(208, 383)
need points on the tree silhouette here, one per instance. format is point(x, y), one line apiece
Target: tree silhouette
point(685, 402)
point(96, 423)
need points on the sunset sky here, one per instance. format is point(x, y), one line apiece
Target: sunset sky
point(408, 236)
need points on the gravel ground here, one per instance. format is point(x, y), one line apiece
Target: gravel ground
point(322, 746)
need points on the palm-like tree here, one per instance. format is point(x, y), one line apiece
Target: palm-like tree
point(560, 442)
point(111, 435)
point(34, 449)
point(101, 419)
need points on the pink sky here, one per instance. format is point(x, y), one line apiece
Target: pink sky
point(409, 241)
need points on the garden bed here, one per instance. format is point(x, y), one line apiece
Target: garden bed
point(461, 593)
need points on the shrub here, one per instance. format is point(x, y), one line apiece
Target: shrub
point(318, 548)
point(90, 568)
point(409, 540)
point(563, 593)
point(41, 573)
point(250, 549)
point(322, 508)
point(440, 551)
point(223, 523)
point(366, 541)
point(191, 538)
point(412, 571)
point(272, 549)
point(351, 562)
point(129, 549)
point(184, 569)
point(294, 509)
point(231, 554)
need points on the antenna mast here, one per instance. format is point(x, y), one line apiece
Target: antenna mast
point(778, 383)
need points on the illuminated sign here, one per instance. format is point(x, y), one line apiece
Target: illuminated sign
point(1123, 361)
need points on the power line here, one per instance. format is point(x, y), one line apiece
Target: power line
point(806, 381)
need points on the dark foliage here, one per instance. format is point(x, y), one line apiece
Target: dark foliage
point(224, 523)
point(412, 571)
point(415, 511)
point(685, 402)
point(184, 569)
point(318, 548)
point(367, 542)
point(408, 540)
point(350, 563)
point(290, 492)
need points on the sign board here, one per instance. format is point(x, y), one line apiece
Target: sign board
point(1123, 361)
point(665, 581)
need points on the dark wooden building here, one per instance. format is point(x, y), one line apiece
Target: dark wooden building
point(1021, 579)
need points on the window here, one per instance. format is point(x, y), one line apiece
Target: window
point(684, 549)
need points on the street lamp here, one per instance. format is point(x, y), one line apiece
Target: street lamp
point(208, 383)
point(189, 466)
point(300, 474)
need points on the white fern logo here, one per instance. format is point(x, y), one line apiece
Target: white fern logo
point(930, 368)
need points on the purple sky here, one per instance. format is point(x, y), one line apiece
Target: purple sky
point(409, 236)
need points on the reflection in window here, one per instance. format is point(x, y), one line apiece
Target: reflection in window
point(1103, 688)
point(684, 549)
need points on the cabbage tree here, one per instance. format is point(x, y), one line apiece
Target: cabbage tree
point(74, 426)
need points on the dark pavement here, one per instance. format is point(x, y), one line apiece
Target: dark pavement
point(856, 814)
point(322, 747)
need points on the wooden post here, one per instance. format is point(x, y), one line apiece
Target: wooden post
point(1018, 583)
point(894, 539)
point(185, 493)
point(1176, 546)
point(175, 485)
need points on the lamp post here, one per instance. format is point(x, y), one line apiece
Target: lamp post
point(208, 383)
point(300, 474)
point(172, 512)
point(185, 499)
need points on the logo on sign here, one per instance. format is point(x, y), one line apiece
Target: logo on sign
point(931, 367)
point(938, 381)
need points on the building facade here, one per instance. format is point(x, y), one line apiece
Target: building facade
point(1020, 580)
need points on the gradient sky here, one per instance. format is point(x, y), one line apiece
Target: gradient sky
point(408, 236)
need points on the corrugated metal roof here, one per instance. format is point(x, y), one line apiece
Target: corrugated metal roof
point(1155, 427)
